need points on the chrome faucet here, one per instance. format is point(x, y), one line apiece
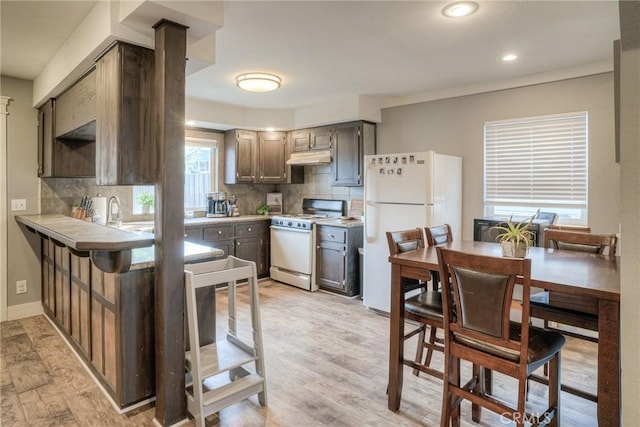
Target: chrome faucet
point(114, 221)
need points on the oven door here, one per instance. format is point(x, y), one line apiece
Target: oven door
point(292, 249)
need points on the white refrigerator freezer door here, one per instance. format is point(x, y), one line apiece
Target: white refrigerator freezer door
point(380, 218)
point(397, 178)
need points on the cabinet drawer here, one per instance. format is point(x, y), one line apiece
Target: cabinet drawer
point(218, 232)
point(332, 234)
point(193, 234)
point(251, 229)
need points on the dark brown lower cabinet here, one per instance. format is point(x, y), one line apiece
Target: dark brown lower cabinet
point(122, 325)
point(337, 259)
point(246, 240)
point(108, 318)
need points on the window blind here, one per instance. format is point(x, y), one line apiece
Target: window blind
point(539, 161)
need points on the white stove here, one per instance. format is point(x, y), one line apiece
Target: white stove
point(293, 242)
point(298, 221)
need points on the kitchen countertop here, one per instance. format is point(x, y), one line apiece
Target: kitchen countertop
point(85, 236)
point(193, 222)
point(340, 222)
point(193, 252)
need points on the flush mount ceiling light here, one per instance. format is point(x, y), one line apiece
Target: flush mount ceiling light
point(509, 57)
point(258, 82)
point(460, 9)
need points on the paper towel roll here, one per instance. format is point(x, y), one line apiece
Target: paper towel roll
point(100, 209)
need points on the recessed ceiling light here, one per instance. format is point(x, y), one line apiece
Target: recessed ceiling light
point(460, 9)
point(258, 82)
point(509, 57)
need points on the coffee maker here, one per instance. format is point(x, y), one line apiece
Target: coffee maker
point(216, 204)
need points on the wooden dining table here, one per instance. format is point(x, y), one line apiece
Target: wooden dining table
point(564, 272)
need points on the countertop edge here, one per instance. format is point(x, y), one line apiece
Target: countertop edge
point(126, 241)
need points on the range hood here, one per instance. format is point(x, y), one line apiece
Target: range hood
point(310, 158)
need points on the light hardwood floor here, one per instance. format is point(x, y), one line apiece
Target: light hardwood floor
point(326, 365)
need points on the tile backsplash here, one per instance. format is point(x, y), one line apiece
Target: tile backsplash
point(59, 194)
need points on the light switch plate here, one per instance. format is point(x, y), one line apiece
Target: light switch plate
point(18, 205)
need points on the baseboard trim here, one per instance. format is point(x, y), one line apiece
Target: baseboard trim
point(20, 311)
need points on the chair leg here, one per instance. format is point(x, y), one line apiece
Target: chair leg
point(420, 347)
point(445, 413)
point(432, 341)
point(522, 393)
point(476, 410)
point(546, 365)
point(555, 385)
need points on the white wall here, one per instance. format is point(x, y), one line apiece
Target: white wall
point(630, 177)
point(22, 183)
point(455, 126)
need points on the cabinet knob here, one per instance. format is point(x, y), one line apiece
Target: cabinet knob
point(238, 243)
point(332, 235)
point(249, 229)
point(219, 231)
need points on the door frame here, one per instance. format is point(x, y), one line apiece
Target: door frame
point(4, 113)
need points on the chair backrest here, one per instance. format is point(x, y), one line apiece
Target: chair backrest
point(581, 241)
point(438, 235)
point(576, 228)
point(404, 240)
point(476, 300)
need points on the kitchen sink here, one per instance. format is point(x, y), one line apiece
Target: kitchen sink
point(146, 226)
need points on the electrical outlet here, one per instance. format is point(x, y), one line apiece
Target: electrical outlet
point(21, 287)
point(18, 205)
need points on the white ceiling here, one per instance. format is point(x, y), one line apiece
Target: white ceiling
point(324, 50)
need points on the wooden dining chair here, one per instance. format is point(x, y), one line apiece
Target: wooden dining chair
point(477, 292)
point(576, 228)
point(425, 308)
point(579, 311)
point(438, 235)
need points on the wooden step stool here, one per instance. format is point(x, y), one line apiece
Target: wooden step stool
point(229, 354)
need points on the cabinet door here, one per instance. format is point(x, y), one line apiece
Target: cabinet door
point(125, 145)
point(331, 265)
point(76, 110)
point(272, 157)
point(300, 140)
point(45, 139)
point(80, 302)
point(62, 287)
point(104, 287)
point(246, 152)
point(321, 138)
point(48, 278)
point(249, 249)
point(346, 165)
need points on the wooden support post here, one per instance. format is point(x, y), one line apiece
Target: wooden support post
point(170, 56)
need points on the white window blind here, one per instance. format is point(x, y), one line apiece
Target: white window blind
point(534, 162)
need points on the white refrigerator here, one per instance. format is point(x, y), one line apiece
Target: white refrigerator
point(403, 191)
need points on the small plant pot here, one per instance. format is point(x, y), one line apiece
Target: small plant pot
point(514, 250)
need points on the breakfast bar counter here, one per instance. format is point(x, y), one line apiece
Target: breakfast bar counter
point(107, 314)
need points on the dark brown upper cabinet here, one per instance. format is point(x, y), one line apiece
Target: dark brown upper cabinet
point(75, 117)
point(240, 152)
point(66, 132)
point(350, 143)
point(272, 157)
point(258, 157)
point(125, 143)
point(311, 139)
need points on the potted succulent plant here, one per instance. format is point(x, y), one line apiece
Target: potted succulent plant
point(515, 237)
point(146, 200)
